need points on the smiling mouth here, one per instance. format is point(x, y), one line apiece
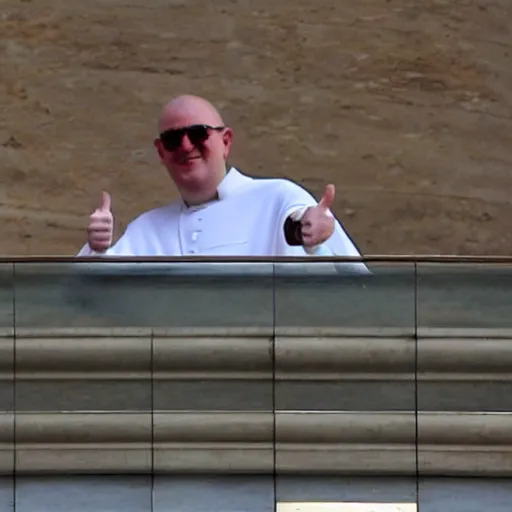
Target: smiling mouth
point(188, 159)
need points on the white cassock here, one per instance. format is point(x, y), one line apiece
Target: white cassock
point(247, 219)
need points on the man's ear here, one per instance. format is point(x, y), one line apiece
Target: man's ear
point(159, 147)
point(227, 140)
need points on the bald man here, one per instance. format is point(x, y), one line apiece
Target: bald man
point(221, 211)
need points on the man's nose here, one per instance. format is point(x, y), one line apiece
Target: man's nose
point(186, 144)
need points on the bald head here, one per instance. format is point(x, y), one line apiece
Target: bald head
point(195, 156)
point(187, 110)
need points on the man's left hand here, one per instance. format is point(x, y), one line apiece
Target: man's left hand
point(317, 224)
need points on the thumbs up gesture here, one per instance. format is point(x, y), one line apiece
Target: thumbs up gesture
point(101, 225)
point(318, 222)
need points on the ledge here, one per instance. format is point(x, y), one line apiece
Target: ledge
point(242, 442)
point(324, 354)
point(345, 443)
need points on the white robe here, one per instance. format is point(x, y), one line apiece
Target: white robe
point(247, 219)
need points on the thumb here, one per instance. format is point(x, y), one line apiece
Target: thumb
point(106, 202)
point(328, 198)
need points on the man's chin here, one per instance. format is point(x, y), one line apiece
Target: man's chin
point(190, 174)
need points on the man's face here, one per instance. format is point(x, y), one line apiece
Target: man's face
point(193, 152)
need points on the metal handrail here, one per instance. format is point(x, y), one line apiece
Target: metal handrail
point(418, 259)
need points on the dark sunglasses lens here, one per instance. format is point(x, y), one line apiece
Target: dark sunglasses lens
point(171, 140)
point(197, 134)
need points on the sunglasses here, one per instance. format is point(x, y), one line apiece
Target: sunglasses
point(197, 134)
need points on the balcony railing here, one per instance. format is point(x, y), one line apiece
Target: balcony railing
point(282, 367)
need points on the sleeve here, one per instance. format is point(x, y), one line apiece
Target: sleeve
point(295, 201)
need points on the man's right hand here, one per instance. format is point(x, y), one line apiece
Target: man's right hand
point(101, 226)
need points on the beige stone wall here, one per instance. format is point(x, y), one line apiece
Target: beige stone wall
point(406, 106)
